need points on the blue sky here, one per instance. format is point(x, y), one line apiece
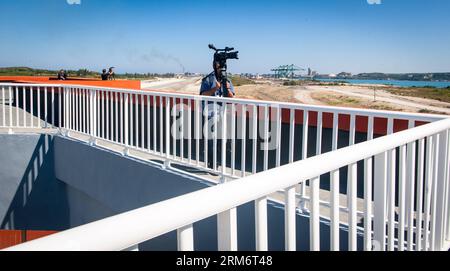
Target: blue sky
point(329, 36)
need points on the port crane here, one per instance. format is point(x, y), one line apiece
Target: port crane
point(286, 71)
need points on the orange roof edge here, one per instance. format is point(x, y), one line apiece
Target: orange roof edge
point(127, 84)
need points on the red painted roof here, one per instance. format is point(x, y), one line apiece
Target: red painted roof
point(127, 84)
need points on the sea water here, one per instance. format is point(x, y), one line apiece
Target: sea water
point(396, 83)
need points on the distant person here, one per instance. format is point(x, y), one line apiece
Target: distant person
point(105, 75)
point(111, 74)
point(62, 75)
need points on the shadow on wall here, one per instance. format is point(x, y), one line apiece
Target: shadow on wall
point(40, 201)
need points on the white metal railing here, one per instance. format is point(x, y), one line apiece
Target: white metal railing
point(176, 126)
point(419, 228)
point(145, 121)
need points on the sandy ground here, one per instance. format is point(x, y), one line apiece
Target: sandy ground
point(183, 85)
point(366, 94)
point(359, 96)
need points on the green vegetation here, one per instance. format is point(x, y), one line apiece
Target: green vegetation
point(344, 100)
point(404, 76)
point(240, 81)
point(337, 83)
point(292, 83)
point(426, 111)
point(313, 82)
point(84, 73)
point(25, 71)
point(341, 100)
point(298, 82)
point(440, 94)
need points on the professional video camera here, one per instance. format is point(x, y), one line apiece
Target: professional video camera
point(220, 57)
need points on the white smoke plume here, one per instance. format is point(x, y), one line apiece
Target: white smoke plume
point(374, 2)
point(73, 2)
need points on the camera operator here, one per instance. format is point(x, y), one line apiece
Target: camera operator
point(111, 74)
point(211, 85)
point(216, 84)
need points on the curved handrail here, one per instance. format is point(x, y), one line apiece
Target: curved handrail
point(133, 227)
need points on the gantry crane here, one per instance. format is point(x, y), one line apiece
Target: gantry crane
point(286, 71)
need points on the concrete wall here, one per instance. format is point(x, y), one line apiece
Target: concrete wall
point(30, 196)
point(114, 183)
point(75, 184)
point(53, 183)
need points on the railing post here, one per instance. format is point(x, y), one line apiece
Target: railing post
point(197, 127)
point(45, 107)
point(66, 111)
point(59, 108)
point(227, 230)
point(63, 116)
point(447, 188)
point(167, 126)
point(254, 137)
point(3, 108)
point(419, 200)
point(427, 188)
point(24, 105)
point(334, 189)
point(352, 206)
point(410, 188)
point(126, 131)
point(441, 180)
point(53, 107)
point(401, 198)
point(223, 110)
point(233, 138)
point(289, 220)
point(17, 105)
point(93, 115)
point(10, 109)
point(351, 141)
point(368, 188)
point(314, 219)
point(302, 186)
point(379, 239)
point(243, 138)
point(38, 100)
point(261, 224)
point(71, 108)
point(434, 192)
point(216, 124)
point(185, 238)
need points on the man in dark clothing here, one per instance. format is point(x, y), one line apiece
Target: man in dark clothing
point(62, 75)
point(104, 75)
point(211, 86)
